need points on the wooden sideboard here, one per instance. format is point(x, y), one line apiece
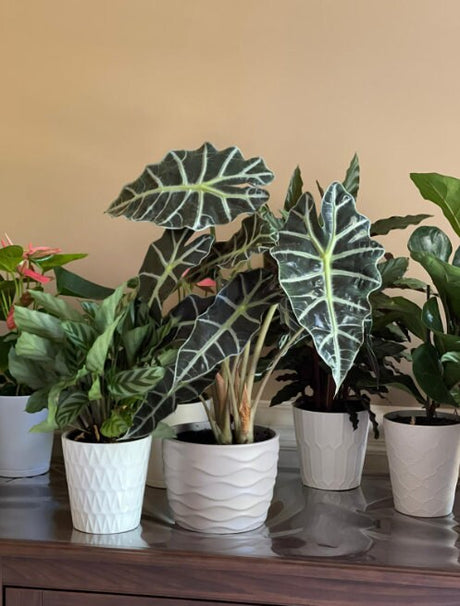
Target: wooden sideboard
point(317, 548)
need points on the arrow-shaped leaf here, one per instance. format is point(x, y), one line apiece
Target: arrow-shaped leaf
point(328, 268)
point(195, 189)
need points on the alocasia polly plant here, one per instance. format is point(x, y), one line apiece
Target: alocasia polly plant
point(327, 269)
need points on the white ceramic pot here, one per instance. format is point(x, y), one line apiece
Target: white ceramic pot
point(106, 483)
point(220, 489)
point(424, 463)
point(184, 413)
point(331, 452)
point(22, 453)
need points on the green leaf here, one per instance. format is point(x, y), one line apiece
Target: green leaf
point(55, 306)
point(294, 190)
point(328, 268)
point(116, 425)
point(431, 316)
point(135, 382)
point(34, 347)
point(384, 226)
point(38, 323)
point(165, 263)
point(70, 406)
point(97, 355)
point(38, 400)
point(351, 181)
point(95, 392)
point(429, 374)
point(392, 270)
point(109, 308)
point(405, 311)
point(411, 284)
point(29, 372)
point(195, 189)
point(10, 257)
point(443, 191)
point(430, 240)
point(163, 431)
point(58, 260)
point(80, 334)
point(72, 285)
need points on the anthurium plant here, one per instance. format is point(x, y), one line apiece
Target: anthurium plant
point(22, 271)
point(320, 270)
point(436, 361)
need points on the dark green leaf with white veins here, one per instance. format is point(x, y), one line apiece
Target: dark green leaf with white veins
point(328, 268)
point(195, 189)
point(166, 261)
point(220, 332)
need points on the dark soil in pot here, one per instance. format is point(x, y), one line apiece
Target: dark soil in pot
point(424, 421)
point(205, 436)
point(351, 405)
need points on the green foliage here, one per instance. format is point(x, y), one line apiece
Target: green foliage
point(435, 361)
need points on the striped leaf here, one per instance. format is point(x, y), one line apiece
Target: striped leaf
point(38, 323)
point(351, 181)
point(165, 262)
point(328, 268)
point(70, 405)
point(135, 382)
point(54, 305)
point(80, 334)
point(222, 331)
point(195, 189)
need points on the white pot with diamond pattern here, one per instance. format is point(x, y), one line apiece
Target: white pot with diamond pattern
point(424, 463)
point(331, 452)
point(220, 489)
point(106, 483)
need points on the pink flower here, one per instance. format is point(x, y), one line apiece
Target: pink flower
point(10, 319)
point(40, 252)
point(206, 283)
point(6, 242)
point(30, 273)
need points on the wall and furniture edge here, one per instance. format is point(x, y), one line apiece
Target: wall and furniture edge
point(374, 555)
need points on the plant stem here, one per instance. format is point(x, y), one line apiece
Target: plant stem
point(258, 350)
point(276, 359)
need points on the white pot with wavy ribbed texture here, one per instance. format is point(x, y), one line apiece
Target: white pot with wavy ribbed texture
point(331, 452)
point(106, 483)
point(220, 489)
point(424, 463)
point(184, 413)
point(22, 454)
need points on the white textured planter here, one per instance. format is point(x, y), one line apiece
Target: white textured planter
point(331, 452)
point(106, 483)
point(22, 453)
point(424, 463)
point(220, 489)
point(184, 413)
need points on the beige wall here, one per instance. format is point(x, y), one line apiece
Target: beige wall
point(92, 90)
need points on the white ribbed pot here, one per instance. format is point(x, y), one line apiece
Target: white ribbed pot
point(184, 413)
point(331, 452)
point(106, 483)
point(220, 489)
point(22, 454)
point(424, 464)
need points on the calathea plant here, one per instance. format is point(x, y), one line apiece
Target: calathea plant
point(436, 361)
point(323, 269)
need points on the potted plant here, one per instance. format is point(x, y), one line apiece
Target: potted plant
point(332, 426)
point(24, 270)
point(203, 188)
point(423, 447)
point(113, 370)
